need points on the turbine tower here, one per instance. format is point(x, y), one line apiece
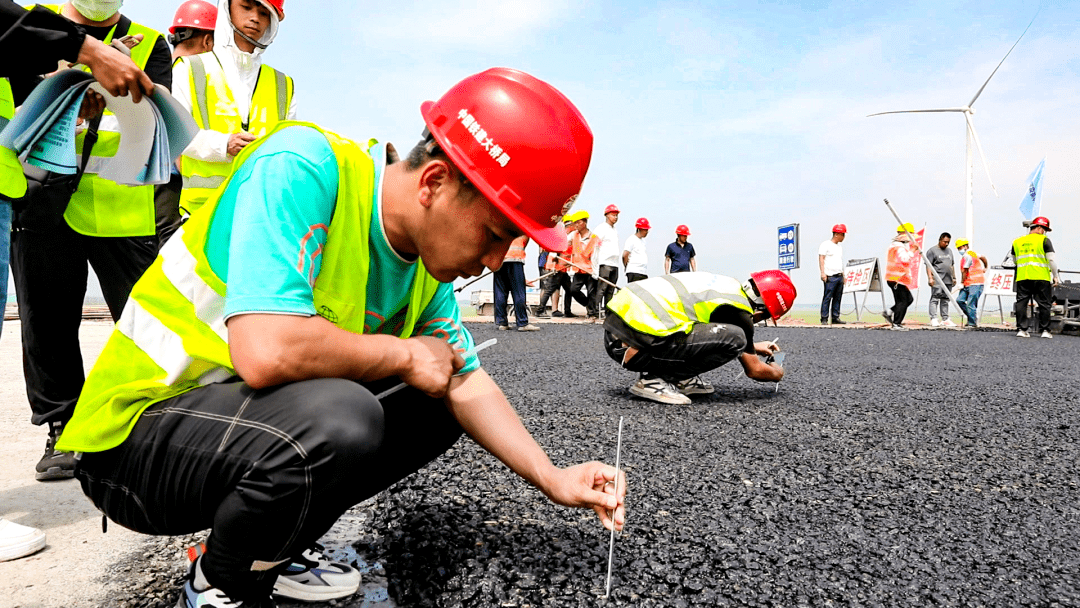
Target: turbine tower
point(972, 135)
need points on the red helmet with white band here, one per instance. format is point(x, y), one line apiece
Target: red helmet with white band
point(776, 290)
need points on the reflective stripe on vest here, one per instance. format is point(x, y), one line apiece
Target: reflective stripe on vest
point(99, 206)
point(209, 89)
point(171, 337)
point(977, 272)
point(1031, 262)
point(12, 180)
point(516, 253)
point(673, 303)
point(582, 252)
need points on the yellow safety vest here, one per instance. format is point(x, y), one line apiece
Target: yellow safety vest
point(171, 337)
point(1031, 262)
point(12, 181)
point(101, 207)
point(214, 107)
point(672, 303)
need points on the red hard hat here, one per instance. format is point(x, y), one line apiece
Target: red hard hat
point(279, 6)
point(840, 228)
point(521, 142)
point(776, 290)
point(682, 230)
point(1041, 221)
point(642, 223)
point(194, 15)
point(611, 209)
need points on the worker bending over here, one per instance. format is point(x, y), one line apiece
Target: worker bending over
point(675, 327)
point(233, 96)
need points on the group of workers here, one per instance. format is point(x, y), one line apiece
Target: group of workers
point(1036, 273)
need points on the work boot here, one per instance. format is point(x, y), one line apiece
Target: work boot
point(557, 313)
point(53, 464)
point(838, 322)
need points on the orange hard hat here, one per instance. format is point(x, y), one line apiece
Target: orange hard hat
point(839, 229)
point(1041, 221)
point(642, 223)
point(682, 230)
point(611, 209)
point(194, 15)
point(521, 142)
point(776, 290)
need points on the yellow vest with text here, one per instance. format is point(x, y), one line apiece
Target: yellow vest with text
point(673, 303)
point(1031, 262)
point(101, 207)
point(171, 337)
point(214, 107)
point(12, 181)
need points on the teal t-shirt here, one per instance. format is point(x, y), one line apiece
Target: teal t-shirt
point(270, 227)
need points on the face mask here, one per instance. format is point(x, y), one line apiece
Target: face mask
point(97, 10)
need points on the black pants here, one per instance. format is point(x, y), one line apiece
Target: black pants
point(633, 276)
point(582, 289)
point(50, 275)
point(557, 281)
point(681, 356)
point(603, 290)
point(167, 208)
point(902, 298)
point(1042, 293)
point(830, 301)
point(269, 470)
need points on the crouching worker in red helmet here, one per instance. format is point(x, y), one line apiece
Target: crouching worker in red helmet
point(238, 390)
point(673, 328)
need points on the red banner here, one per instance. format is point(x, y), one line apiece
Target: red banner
point(916, 262)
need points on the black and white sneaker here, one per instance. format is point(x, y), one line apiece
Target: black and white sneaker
point(660, 390)
point(695, 386)
point(314, 578)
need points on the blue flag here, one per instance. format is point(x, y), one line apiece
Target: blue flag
point(1032, 202)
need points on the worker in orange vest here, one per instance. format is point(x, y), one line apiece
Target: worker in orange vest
point(972, 275)
point(899, 276)
point(510, 280)
point(559, 280)
point(584, 247)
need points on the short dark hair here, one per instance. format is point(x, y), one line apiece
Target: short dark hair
point(945, 235)
point(427, 150)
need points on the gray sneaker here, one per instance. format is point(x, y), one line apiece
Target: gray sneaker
point(529, 327)
point(695, 386)
point(660, 390)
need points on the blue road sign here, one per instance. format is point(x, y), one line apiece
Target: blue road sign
point(788, 247)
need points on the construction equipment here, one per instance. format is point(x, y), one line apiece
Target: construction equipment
point(1065, 306)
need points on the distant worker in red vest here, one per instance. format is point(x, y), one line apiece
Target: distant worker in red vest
point(972, 276)
point(899, 277)
point(510, 280)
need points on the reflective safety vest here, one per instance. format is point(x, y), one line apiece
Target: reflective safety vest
point(976, 274)
point(898, 266)
point(516, 253)
point(582, 251)
point(214, 107)
point(171, 337)
point(1031, 262)
point(672, 303)
point(566, 254)
point(101, 207)
point(12, 181)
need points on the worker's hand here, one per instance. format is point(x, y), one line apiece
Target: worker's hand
point(766, 348)
point(239, 141)
point(116, 73)
point(92, 105)
point(824, 278)
point(432, 364)
point(530, 282)
point(590, 484)
point(930, 281)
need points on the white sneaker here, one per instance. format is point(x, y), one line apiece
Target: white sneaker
point(18, 541)
point(529, 327)
point(695, 386)
point(935, 323)
point(658, 389)
point(949, 323)
point(1022, 334)
point(1046, 335)
point(314, 578)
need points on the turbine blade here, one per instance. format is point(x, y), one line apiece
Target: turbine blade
point(910, 111)
point(972, 102)
point(978, 146)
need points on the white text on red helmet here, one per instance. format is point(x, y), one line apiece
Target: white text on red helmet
point(493, 149)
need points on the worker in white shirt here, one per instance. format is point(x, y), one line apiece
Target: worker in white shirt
point(831, 266)
point(634, 257)
point(607, 270)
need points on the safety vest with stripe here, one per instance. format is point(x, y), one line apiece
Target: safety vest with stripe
point(214, 107)
point(672, 303)
point(1031, 262)
point(976, 274)
point(582, 252)
point(516, 253)
point(898, 265)
point(566, 254)
point(101, 207)
point(171, 337)
point(12, 181)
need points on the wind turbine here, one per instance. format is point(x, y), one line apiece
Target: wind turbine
point(972, 135)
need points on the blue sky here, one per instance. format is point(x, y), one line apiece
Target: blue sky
point(735, 118)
